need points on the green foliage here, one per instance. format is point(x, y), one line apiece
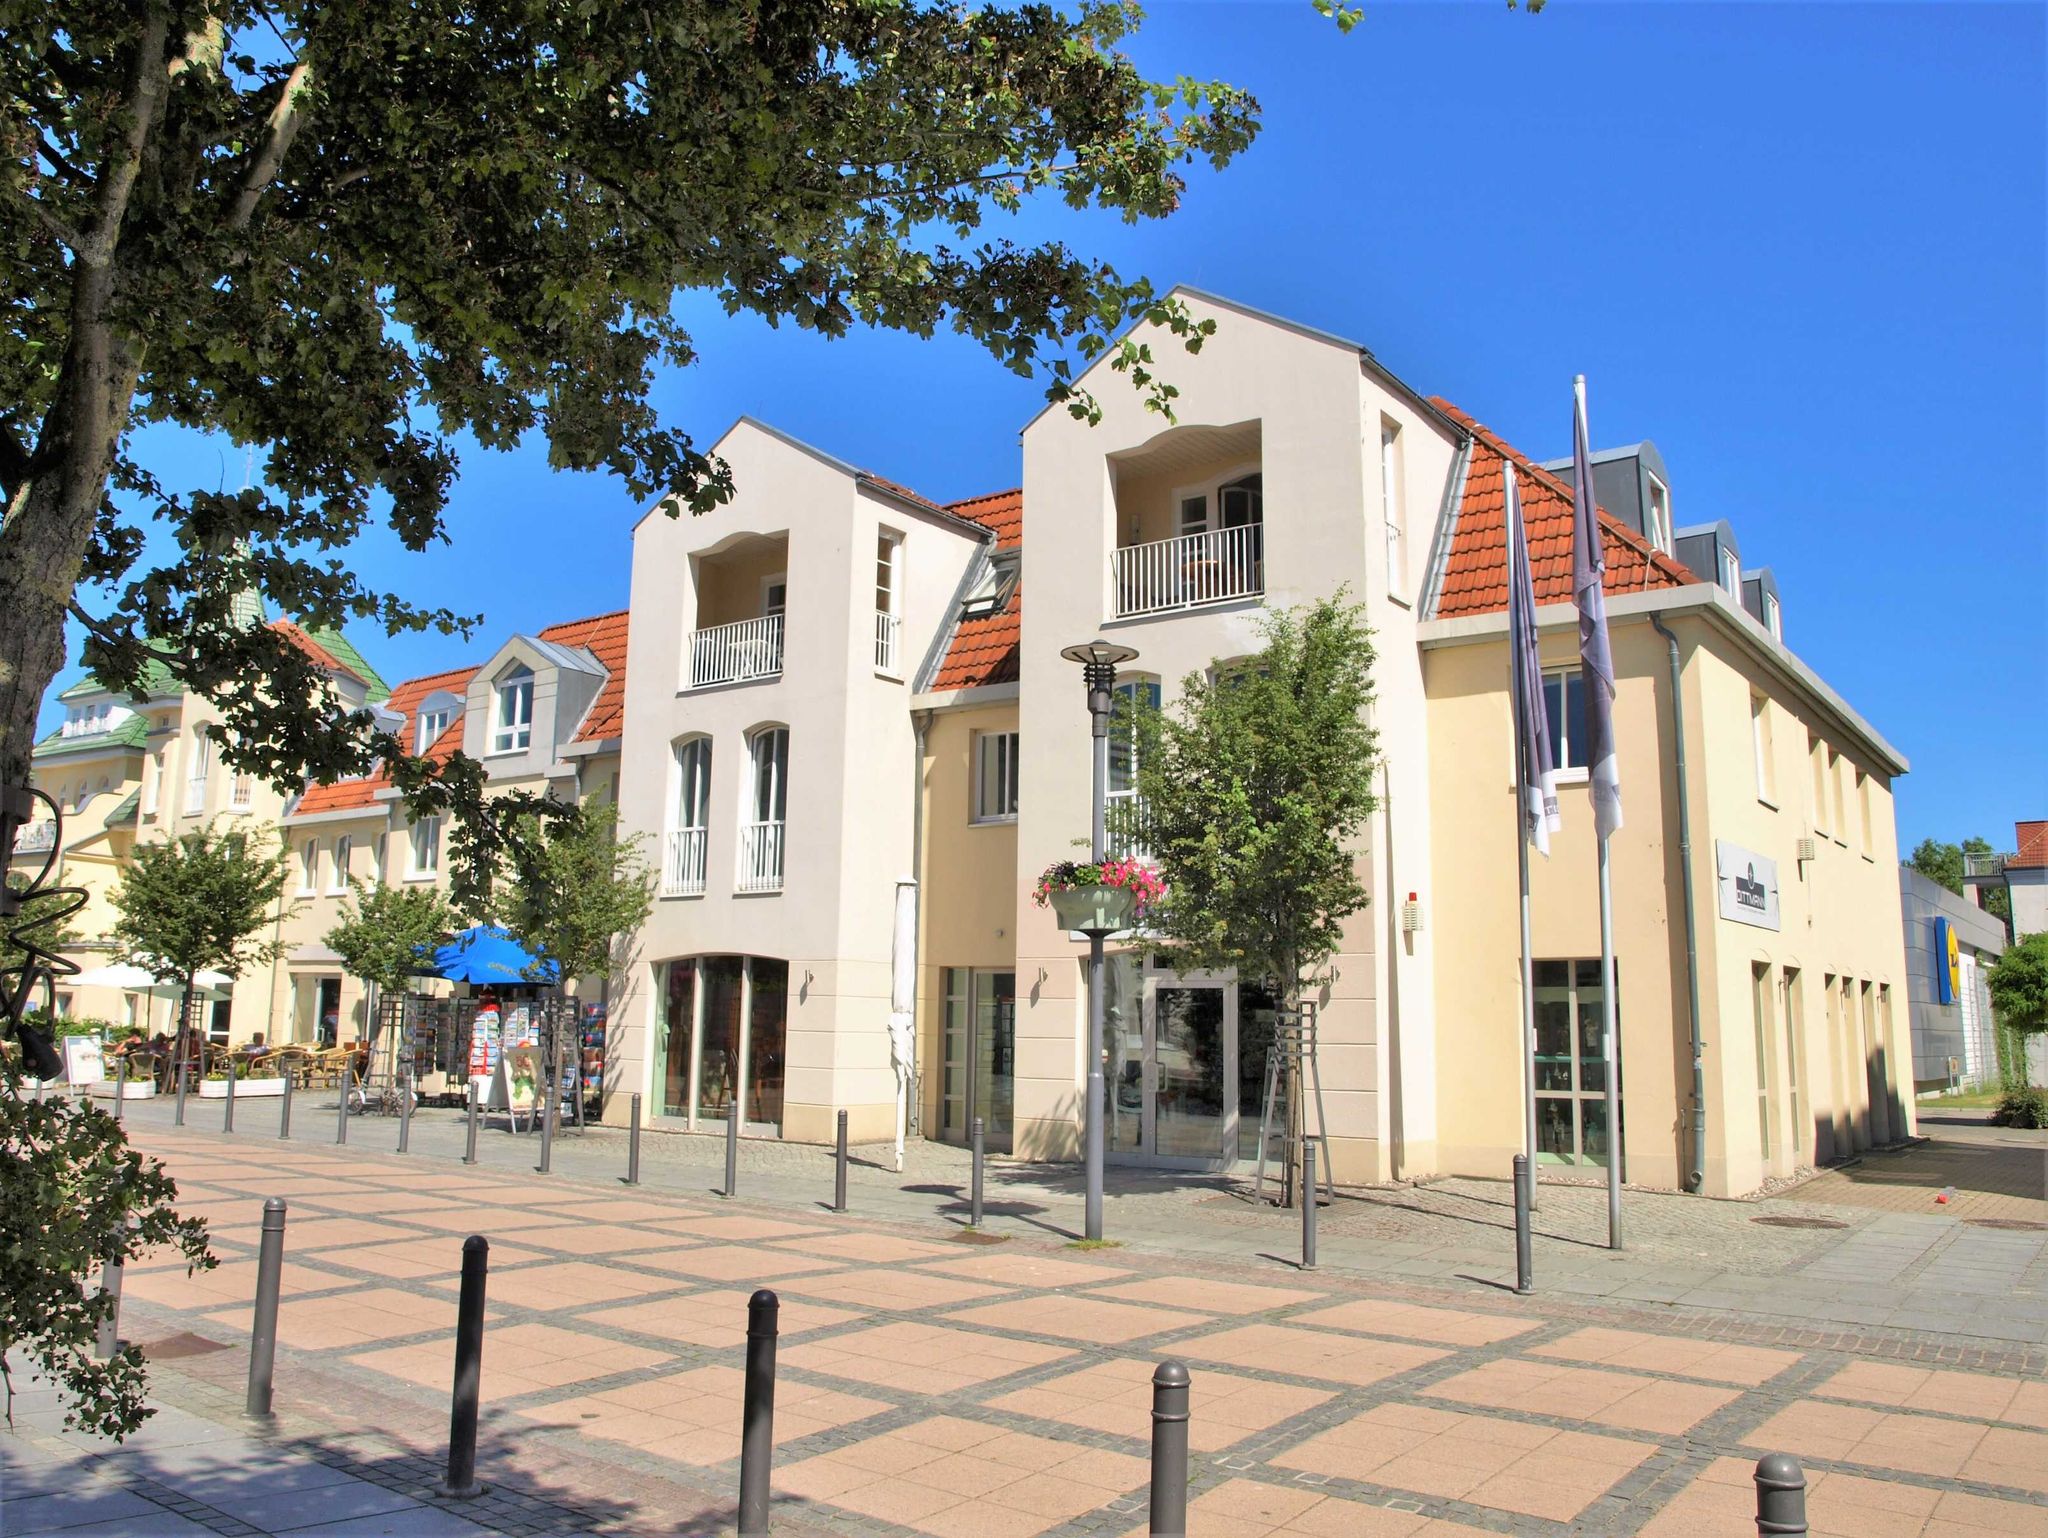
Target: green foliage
point(1254, 783)
point(206, 900)
point(586, 890)
point(70, 1189)
point(2018, 982)
point(1944, 863)
point(384, 930)
point(2024, 1107)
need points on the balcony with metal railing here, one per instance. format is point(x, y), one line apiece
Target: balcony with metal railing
point(761, 857)
point(1126, 827)
point(1189, 571)
point(682, 870)
point(1984, 867)
point(745, 651)
point(888, 644)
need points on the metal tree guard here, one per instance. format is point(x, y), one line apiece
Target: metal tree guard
point(1291, 1068)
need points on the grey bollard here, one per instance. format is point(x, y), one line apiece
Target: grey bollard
point(263, 1333)
point(227, 1116)
point(405, 1099)
point(974, 1185)
point(461, 1482)
point(732, 1149)
point(476, 1102)
point(757, 1418)
point(178, 1117)
point(551, 1100)
point(1169, 1451)
point(633, 1146)
point(1525, 1266)
point(1780, 1495)
point(839, 1169)
point(284, 1112)
point(1308, 1204)
point(348, 1078)
point(110, 1285)
point(121, 1088)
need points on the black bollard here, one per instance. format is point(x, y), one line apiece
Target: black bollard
point(757, 1423)
point(633, 1147)
point(1525, 1268)
point(732, 1149)
point(263, 1333)
point(551, 1091)
point(839, 1169)
point(461, 1482)
point(341, 1116)
point(974, 1186)
point(121, 1088)
point(110, 1285)
point(476, 1101)
point(227, 1121)
point(178, 1118)
point(284, 1112)
point(1308, 1204)
point(1169, 1451)
point(1780, 1495)
point(405, 1099)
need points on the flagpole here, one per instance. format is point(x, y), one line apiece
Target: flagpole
point(1528, 967)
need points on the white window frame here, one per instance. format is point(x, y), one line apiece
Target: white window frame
point(1568, 773)
point(1656, 516)
point(429, 726)
point(772, 584)
point(1774, 619)
point(309, 867)
point(344, 854)
point(512, 712)
point(1731, 571)
point(777, 786)
point(198, 769)
point(1762, 740)
point(379, 854)
point(1394, 506)
point(995, 752)
point(423, 850)
point(680, 810)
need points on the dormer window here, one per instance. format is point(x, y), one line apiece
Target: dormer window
point(1731, 572)
point(1773, 621)
point(432, 723)
point(1657, 515)
point(512, 720)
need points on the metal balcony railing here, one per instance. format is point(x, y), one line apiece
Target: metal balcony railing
point(242, 794)
point(761, 857)
point(1126, 829)
point(1984, 864)
point(682, 873)
point(888, 644)
point(1189, 571)
point(737, 653)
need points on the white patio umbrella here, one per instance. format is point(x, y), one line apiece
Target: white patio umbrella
point(128, 978)
point(903, 1003)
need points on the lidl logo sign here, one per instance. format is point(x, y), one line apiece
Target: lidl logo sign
point(1948, 963)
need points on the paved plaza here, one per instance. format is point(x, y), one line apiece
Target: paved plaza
point(933, 1386)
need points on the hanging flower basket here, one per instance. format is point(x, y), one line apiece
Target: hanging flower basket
point(1102, 899)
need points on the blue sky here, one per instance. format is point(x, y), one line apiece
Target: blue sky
point(1804, 248)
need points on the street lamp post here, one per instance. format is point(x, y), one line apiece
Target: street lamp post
point(1099, 661)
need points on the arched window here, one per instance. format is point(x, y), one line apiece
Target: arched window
point(761, 835)
point(512, 719)
point(689, 819)
point(1123, 812)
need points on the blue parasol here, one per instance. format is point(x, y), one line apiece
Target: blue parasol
point(488, 954)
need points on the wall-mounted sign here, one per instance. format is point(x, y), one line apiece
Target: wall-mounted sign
point(1749, 885)
point(1948, 963)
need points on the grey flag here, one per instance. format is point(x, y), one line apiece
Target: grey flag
point(1596, 660)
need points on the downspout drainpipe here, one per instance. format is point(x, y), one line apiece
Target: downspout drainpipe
point(921, 721)
point(1696, 1175)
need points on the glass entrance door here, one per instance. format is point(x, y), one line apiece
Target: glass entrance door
point(981, 1046)
point(1171, 1075)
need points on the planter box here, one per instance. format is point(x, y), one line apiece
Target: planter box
point(1094, 909)
point(245, 1089)
point(103, 1089)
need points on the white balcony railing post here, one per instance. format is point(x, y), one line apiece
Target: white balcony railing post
point(683, 870)
point(242, 795)
point(888, 634)
point(761, 857)
point(1190, 570)
point(736, 653)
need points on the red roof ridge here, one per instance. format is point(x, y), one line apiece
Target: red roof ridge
point(985, 496)
point(545, 632)
point(294, 632)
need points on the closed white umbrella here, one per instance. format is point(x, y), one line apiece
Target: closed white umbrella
point(903, 1003)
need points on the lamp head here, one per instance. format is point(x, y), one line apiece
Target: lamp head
point(1100, 653)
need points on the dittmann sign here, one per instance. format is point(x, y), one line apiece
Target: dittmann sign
point(1749, 885)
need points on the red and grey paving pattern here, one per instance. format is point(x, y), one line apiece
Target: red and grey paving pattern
point(929, 1387)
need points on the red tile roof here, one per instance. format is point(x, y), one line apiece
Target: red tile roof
point(1002, 512)
point(1475, 579)
point(985, 647)
point(314, 649)
point(2030, 851)
point(351, 795)
point(603, 635)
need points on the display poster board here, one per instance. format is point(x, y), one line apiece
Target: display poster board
point(84, 1060)
point(484, 1044)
